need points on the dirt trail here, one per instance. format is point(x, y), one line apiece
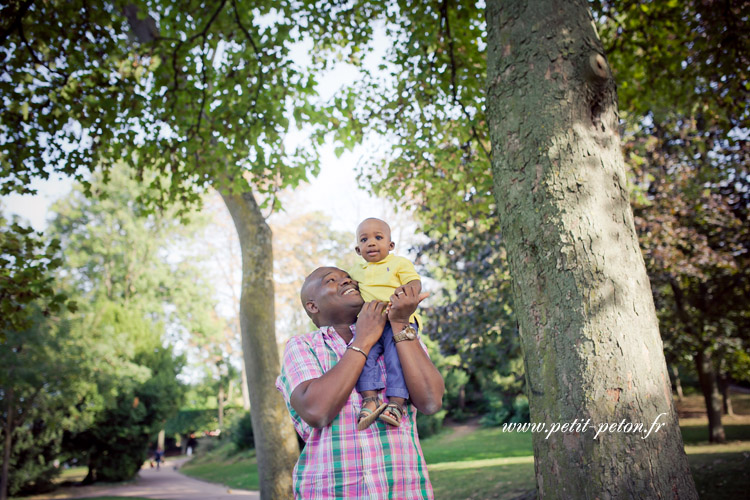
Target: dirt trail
point(460, 430)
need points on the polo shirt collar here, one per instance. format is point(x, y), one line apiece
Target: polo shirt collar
point(330, 333)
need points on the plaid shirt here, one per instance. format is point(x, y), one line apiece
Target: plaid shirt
point(339, 461)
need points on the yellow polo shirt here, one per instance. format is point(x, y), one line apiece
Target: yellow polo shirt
point(378, 280)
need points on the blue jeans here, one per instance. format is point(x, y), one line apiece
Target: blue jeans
point(371, 380)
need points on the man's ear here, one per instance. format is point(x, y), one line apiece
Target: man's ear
point(391, 246)
point(356, 249)
point(311, 307)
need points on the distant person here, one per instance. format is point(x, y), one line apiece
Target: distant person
point(158, 456)
point(318, 376)
point(380, 276)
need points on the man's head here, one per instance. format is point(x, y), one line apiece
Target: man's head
point(330, 297)
point(374, 240)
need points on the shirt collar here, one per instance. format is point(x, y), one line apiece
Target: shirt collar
point(330, 333)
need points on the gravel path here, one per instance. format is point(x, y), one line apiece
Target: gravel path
point(165, 483)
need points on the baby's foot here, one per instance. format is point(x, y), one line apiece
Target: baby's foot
point(371, 409)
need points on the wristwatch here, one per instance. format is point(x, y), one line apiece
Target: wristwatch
point(408, 333)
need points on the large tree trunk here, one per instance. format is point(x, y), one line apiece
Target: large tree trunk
point(588, 327)
point(275, 437)
point(711, 395)
point(245, 390)
point(7, 445)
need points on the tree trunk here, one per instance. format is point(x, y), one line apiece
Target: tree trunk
point(677, 383)
point(588, 327)
point(245, 390)
point(724, 383)
point(220, 404)
point(7, 446)
point(711, 394)
point(275, 437)
point(160, 438)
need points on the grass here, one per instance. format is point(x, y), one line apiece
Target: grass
point(72, 475)
point(225, 466)
point(481, 444)
point(490, 464)
point(721, 471)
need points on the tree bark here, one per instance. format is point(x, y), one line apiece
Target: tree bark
point(724, 383)
point(245, 390)
point(588, 327)
point(7, 446)
point(275, 437)
point(711, 395)
point(220, 404)
point(677, 383)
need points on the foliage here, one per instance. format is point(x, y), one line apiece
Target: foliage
point(679, 59)
point(684, 92)
point(429, 425)
point(134, 271)
point(322, 246)
point(682, 74)
point(189, 421)
point(202, 92)
point(241, 432)
point(27, 264)
point(116, 444)
point(45, 376)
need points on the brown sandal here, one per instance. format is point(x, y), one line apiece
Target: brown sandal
point(394, 409)
point(368, 416)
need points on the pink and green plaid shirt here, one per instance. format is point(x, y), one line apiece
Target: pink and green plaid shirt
point(339, 461)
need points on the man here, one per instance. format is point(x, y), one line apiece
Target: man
point(318, 376)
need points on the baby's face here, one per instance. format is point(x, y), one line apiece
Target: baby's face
point(374, 240)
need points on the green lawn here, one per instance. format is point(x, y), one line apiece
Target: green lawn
point(224, 466)
point(491, 464)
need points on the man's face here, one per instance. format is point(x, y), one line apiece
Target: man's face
point(330, 291)
point(373, 240)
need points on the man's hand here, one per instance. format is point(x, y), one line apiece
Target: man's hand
point(403, 304)
point(370, 324)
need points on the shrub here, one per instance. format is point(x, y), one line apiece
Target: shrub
point(427, 425)
point(241, 432)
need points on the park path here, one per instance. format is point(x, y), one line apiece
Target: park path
point(165, 483)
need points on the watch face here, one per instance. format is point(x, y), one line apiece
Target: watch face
point(408, 333)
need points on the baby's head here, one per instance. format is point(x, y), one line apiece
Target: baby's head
point(374, 240)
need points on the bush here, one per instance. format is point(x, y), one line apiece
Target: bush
point(501, 411)
point(241, 432)
point(427, 425)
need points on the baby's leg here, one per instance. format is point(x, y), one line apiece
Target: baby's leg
point(370, 382)
point(395, 385)
point(370, 379)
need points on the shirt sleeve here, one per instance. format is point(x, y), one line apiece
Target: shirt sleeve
point(298, 365)
point(356, 272)
point(405, 271)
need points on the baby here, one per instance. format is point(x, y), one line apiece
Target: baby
point(380, 276)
